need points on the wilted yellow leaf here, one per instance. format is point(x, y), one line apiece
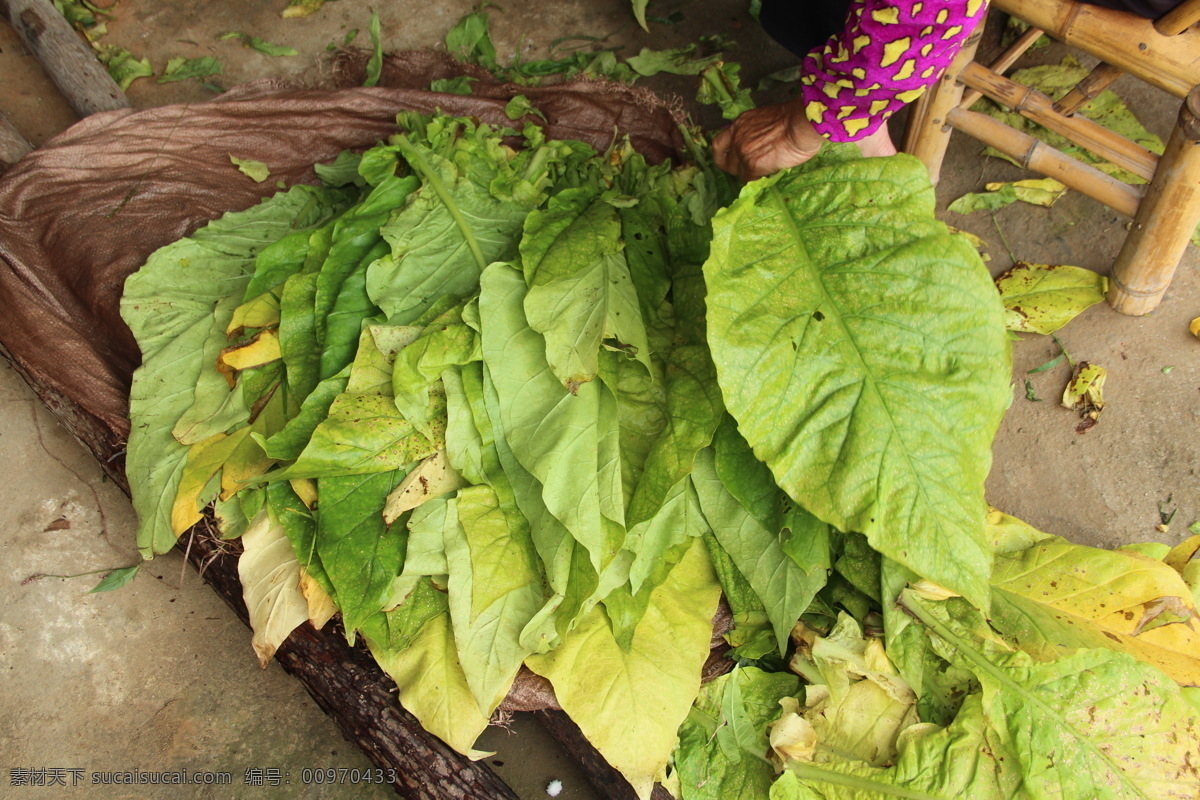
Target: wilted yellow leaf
point(270, 576)
point(1041, 298)
point(1085, 394)
point(262, 349)
point(1038, 191)
point(306, 490)
point(320, 605)
point(1057, 595)
point(1194, 327)
point(204, 460)
point(432, 477)
point(261, 312)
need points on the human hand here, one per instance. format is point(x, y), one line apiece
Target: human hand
point(765, 140)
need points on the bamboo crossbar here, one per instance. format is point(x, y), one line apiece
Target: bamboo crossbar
point(1088, 89)
point(1040, 157)
point(1006, 60)
point(1038, 107)
point(1124, 40)
point(1179, 19)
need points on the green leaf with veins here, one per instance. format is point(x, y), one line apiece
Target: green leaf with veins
point(871, 410)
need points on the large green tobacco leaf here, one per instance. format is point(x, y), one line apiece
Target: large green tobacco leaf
point(630, 703)
point(784, 588)
point(451, 228)
point(431, 684)
point(447, 341)
point(713, 764)
point(360, 554)
point(580, 291)
point(168, 304)
point(568, 442)
point(217, 407)
point(495, 589)
point(861, 349)
point(1096, 724)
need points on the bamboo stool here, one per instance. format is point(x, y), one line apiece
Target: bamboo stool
point(1164, 53)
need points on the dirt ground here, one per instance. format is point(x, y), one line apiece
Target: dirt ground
point(161, 676)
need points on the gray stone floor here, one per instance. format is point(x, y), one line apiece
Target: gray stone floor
point(161, 676)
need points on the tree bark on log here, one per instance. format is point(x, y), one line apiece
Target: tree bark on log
point(349, 686)
point(607, 782)
point(67, 59)
point(12, 144)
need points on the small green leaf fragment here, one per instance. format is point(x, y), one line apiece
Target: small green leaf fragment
point(116, 579)
point(181, 69)
point(1030, 392)
point(375, 64)
point(257, 171)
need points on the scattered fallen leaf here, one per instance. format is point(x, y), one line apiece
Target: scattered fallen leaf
point(1194, 327)
point(1041, 298)
point(1085, 394)
point(116, 579)
point(122, 65)
point(180, 68)
point(301, 8)
point(60, 524)
point(1030, 392)
point(270, 576)
point(1035, 191)
point(255, 170)
point(375, 62)
point(261, 45)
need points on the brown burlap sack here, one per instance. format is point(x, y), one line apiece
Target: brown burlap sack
point(81, 213)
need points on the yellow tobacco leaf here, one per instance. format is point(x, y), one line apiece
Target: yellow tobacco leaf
point(1194, 327)
point(306, 490)
point(270, 576)
point(1038, 191)
point(1057, 596)
point(261, 312)
point(262, 349)
point(1182, 553)
point(204, 460)
point(432, 477)
point(1085, 394)
point(320, 605)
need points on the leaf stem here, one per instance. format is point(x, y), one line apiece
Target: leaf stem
point(417, 160)
point(811, 772)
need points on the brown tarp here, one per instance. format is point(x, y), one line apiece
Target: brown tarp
point(81, 213)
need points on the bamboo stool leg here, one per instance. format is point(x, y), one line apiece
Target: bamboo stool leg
point(928, 134)
point(1165, 220)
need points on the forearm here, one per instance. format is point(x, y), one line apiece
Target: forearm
point(888, 53)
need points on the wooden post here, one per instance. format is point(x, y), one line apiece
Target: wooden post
point(1082, 131)
point(68, 60)
point(1036, 155)
point(1165, 222)
point(928, 134)
point(12, 144)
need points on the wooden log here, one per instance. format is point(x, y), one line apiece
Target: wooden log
point(346, 682)
point(928, 134)
point(12, 144)
point(67, 58)
point(1088, 89)
point(1036, 106)
point(1006, 60)
point(1036, 155)
point(1124, 40)
point(1178, 19)
point(607, 781)
point(1165, 222)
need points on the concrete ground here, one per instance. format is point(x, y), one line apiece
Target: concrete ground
point(161, 676)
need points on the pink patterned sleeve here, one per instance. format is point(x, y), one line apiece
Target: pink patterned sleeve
point(888, 53)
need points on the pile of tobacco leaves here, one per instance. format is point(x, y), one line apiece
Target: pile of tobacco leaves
point(505, 406)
